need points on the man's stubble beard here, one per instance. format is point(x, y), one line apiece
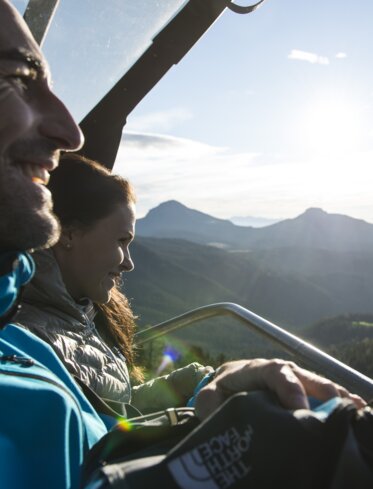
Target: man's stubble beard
point(26, 218)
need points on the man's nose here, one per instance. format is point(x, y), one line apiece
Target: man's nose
point(57, 123)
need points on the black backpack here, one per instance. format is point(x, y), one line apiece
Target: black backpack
point(249, 442)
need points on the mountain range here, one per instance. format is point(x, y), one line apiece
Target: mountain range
point(294, 273)
point(314, 228)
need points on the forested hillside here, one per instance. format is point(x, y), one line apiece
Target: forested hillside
point(349, 338)
point(295, 273)
point(292, 287)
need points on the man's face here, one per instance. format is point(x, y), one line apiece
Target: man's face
point(34, 127)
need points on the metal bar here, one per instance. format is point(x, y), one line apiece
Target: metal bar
point(38, 16)
point(240, 9)
point(311, 356)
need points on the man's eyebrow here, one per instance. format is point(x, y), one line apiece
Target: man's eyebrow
point(25, 56)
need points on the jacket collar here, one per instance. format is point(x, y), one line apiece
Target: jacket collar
point(87, 307)
point(16, 270)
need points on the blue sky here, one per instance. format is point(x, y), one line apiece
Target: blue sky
point(269, 114)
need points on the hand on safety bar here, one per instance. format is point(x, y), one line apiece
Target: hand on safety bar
point(291, 383)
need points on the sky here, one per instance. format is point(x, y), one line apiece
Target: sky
point(269, 114)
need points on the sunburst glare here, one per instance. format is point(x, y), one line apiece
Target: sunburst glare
point(331, 126)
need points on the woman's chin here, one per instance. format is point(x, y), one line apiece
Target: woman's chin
point(107, 297)
point(103, 295)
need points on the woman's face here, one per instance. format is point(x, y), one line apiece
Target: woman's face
point(91, 261)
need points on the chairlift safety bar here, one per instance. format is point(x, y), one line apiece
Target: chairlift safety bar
point(311, 356)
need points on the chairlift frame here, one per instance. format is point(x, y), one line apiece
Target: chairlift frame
point(38, 16)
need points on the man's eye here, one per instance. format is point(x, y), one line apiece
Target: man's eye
point(21, 81)
point(22, 78)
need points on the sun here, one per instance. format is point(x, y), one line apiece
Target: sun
point(335, 165)
point(331, 126)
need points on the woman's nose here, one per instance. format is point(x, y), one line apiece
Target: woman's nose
point(127, 264)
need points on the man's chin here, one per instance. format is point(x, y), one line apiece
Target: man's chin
point(45, 234)
point(30, 233)
point(49, 238)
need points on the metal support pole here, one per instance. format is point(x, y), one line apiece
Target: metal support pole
point(38, 16)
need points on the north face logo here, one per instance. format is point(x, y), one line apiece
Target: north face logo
point(216, 464)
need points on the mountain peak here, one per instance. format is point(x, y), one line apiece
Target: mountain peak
point(172, 203)
point(166, 210)
point(167, 206)
point(175, 220)
point(314, 210)
point(174, 210)
point(313, 214)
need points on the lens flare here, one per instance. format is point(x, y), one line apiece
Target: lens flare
point(170, 355)
point(124, 424)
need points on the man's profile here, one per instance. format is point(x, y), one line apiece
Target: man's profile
point(34, 127)
point(46, 424)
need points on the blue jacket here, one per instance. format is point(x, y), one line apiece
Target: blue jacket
point(46, 423)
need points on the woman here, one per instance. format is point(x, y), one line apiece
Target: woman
point(74, 302)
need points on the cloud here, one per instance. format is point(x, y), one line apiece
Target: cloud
point(223, 182)
point(165, 167)
point(162, 121)
point(168, 148)
point(313, 58)
point(143, 140)
point(341, 55)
